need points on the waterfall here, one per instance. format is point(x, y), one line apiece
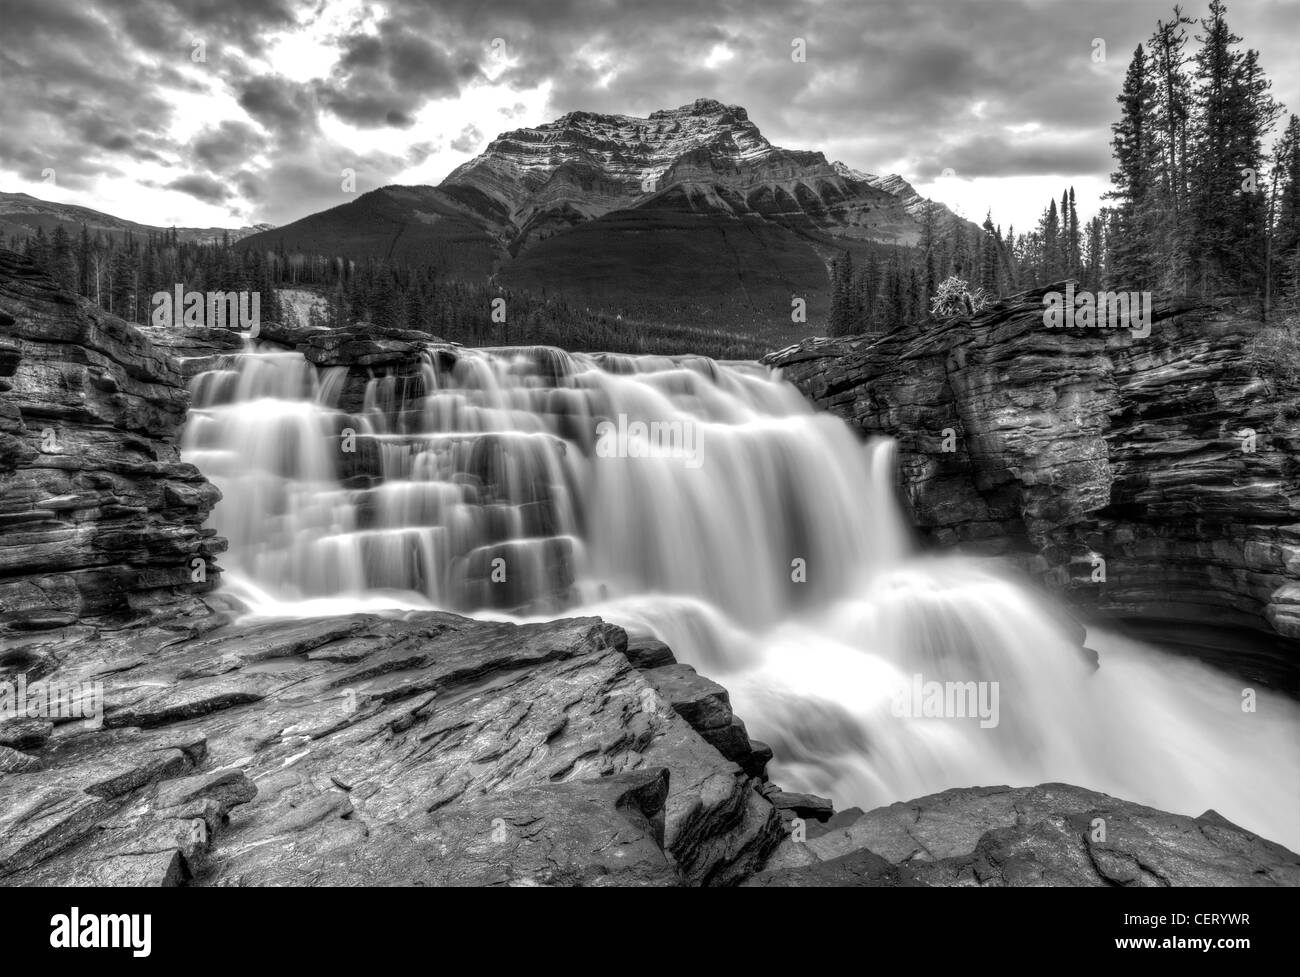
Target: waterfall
point(708, 504)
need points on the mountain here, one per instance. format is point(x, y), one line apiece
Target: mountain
point(22, 214)
point(690, 215)
point(896, 186)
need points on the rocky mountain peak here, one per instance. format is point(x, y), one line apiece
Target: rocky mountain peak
point(589, 163)
point(896, 186)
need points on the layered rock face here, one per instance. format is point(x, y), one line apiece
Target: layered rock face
point(710, 156)
point(1050, 835)
point(590, 163)
point(894, 185)
point(98, 514)
point(1147, 478)
point(417, 749)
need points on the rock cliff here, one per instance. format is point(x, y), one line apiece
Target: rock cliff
point(1151, 479)
point(98, 514)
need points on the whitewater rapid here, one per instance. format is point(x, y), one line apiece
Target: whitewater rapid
point(709, 505)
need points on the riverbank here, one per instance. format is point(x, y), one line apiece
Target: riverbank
point(430, 749)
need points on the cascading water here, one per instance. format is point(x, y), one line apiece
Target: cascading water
point(710, 505)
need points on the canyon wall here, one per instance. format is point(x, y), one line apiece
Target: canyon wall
point(99, 517)
point(1169, 457)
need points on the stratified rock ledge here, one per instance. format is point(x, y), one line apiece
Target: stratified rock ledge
point(413, 749)
point(1049, 835)
point(1170, 457)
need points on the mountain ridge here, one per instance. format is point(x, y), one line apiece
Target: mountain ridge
point(22, 213)
point(688, 215)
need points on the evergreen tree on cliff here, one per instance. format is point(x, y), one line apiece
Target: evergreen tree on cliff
point(1228, 206)
point(841, 316)
point(1285, 244)
point(1134, 149)
point(63, 265)
point(1074, 246)
point(989, 247)
point(929, 234)
point(1050, 230)
point(1171, 111)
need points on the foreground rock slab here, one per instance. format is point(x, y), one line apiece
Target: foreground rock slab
point(420, 749)
point(1049, 835)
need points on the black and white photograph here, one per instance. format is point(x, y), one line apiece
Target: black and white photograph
point(767, 444)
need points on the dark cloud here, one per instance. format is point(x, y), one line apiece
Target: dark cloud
point(226, 145)
point(286, 108)
point(384, 79)
point(168, 27)
point(987, 88)
point(202, 187)
point(996, 155)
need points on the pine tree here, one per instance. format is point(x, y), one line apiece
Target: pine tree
point(1094, 254)
point(1228, 209)
point(928, 244)
point(1254, 114)
point(1284, 242)
point(83, 262)
point(38, 249)
point(1214, 173)
point(1050, 229)
point(1074, 244)
point(122, 293)
point(63, 266)
point(841, 315)
point(1171, 107)
point(988, 278)
point(1130, 264)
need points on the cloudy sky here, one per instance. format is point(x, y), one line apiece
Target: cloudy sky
point(230, 112)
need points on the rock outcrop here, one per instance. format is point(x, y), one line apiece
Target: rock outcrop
point(1050, 835)
point(1168, 457)
point(416, 749)
point(98, 514)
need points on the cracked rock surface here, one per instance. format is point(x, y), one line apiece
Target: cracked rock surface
point(1049, 835)
point(420, 749)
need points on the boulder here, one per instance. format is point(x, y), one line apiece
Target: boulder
point(706, 706)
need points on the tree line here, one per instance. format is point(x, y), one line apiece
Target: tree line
point(122, 273)
point(1197, 205)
